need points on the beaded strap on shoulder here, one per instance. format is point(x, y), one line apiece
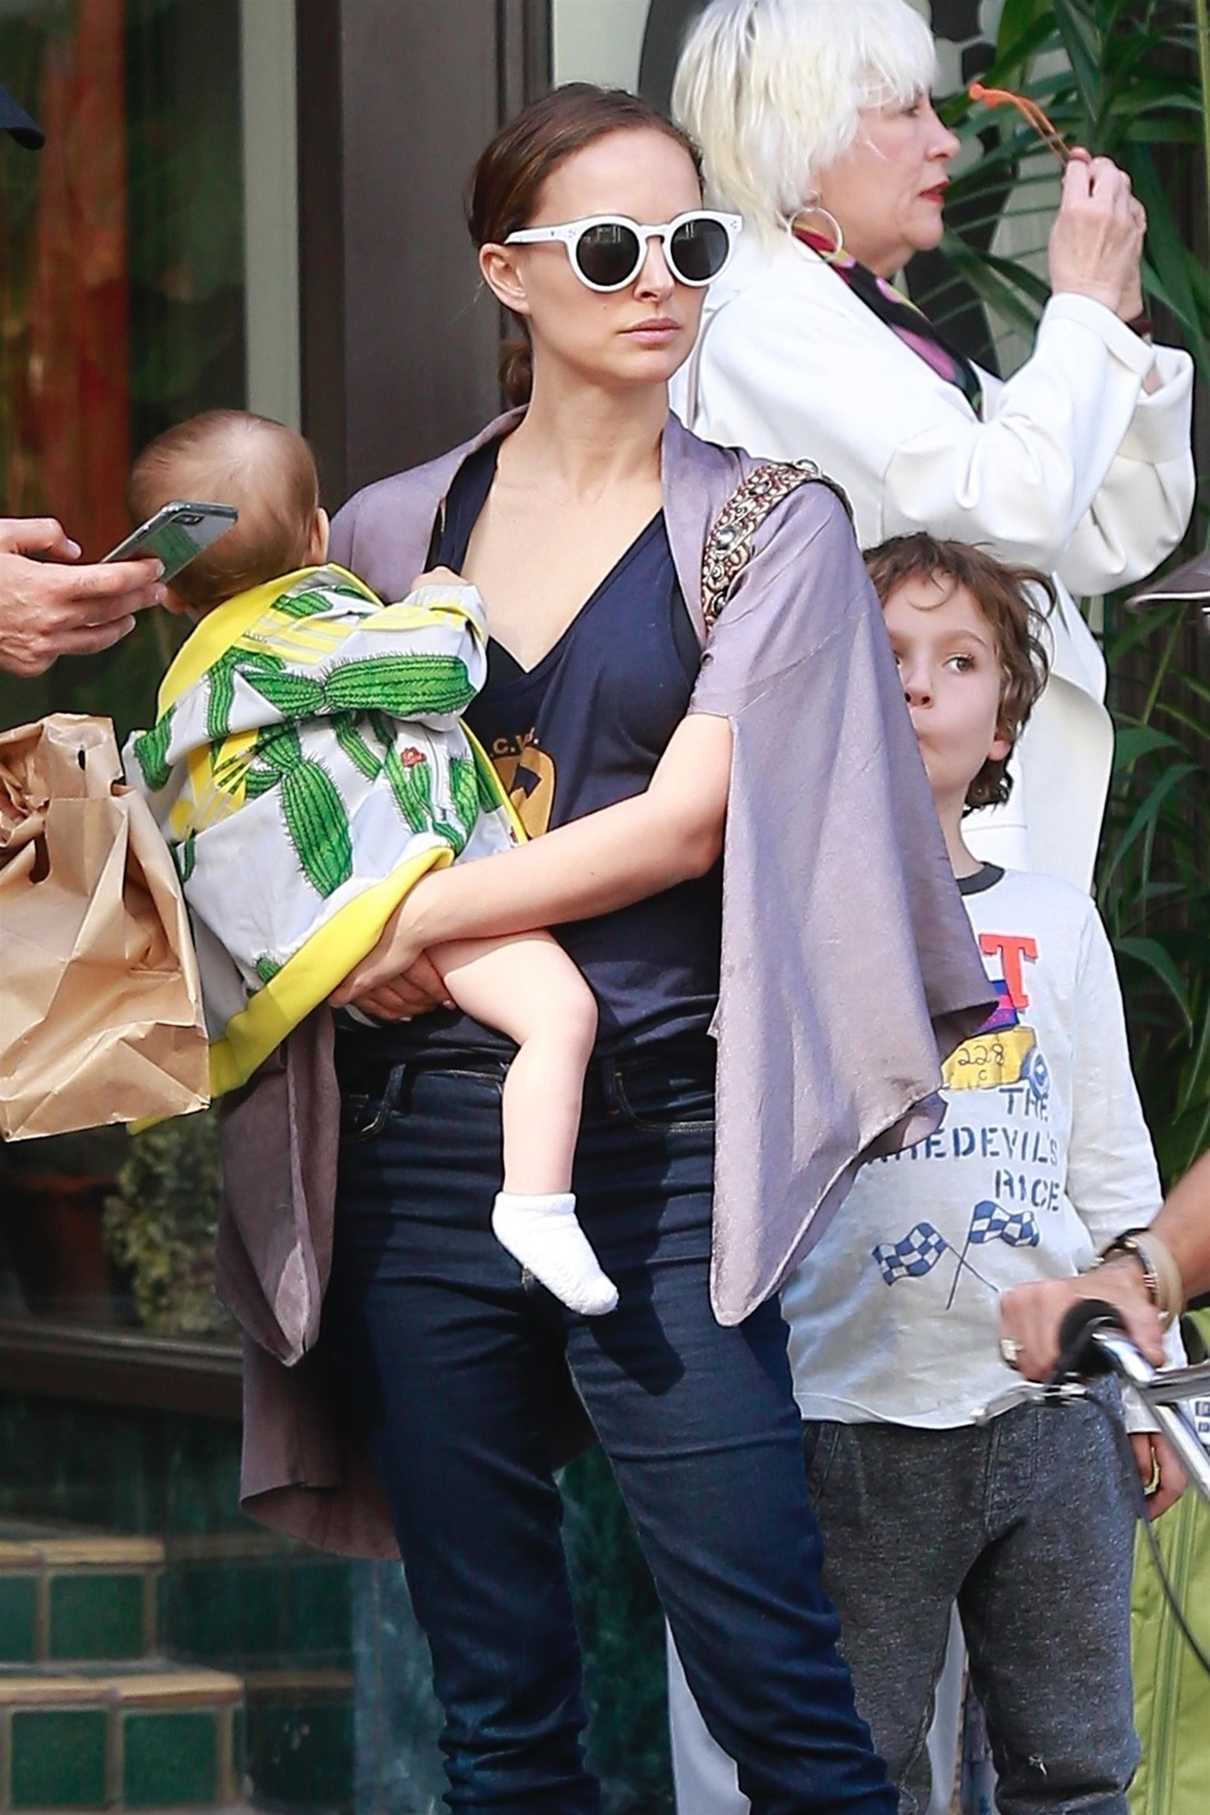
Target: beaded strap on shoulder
point(729, 544)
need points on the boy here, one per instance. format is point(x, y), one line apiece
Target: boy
point(308, 766)
point(1043, 1160)
point(1026, 1524)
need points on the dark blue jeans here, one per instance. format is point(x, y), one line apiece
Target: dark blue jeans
point(449, 1354)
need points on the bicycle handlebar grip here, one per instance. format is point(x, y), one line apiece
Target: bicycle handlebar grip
point(1078, 1354)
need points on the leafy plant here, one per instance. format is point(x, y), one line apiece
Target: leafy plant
point(1122, 77)
point(1130, 79)
point(161, 1227)
point(1153, 881)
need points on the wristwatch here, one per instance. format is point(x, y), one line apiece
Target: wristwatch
point(1161, 1275)
point(1127, 1244)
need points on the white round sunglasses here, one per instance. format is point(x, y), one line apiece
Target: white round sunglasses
point(606, 251)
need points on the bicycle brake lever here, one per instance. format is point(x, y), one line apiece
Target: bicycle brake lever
point(1031, 1392)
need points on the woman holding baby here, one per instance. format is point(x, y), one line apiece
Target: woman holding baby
point(671, 788)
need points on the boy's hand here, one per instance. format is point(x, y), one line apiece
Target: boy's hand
point(1160, 1470)
point(1030, 1315)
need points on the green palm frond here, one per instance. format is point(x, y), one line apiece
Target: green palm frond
point(1130, 79)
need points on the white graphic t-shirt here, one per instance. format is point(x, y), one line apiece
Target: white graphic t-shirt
point(1042, 1159)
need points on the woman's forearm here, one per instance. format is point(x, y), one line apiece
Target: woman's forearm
point(595, 865)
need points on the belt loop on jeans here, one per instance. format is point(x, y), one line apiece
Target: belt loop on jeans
point(393, 1093)
point(609, 1076)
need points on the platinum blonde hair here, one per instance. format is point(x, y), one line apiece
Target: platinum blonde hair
point(771, 90)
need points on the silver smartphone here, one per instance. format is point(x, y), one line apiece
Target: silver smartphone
point(176, 534)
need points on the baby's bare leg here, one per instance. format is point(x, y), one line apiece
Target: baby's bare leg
point(527, 988)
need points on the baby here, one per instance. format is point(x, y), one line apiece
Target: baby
point(308, 765)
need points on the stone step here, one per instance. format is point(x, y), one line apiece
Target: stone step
point(152, 1736)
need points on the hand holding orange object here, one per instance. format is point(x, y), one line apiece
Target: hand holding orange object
point(1033, 116)
point(1096, 243)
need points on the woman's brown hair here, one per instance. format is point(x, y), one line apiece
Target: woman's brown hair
point(1002, 595)
point(507, 179)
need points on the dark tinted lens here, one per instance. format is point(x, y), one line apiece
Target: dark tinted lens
point(698, 250)
point(608, 253)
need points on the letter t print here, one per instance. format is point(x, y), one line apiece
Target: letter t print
point(1011, 948)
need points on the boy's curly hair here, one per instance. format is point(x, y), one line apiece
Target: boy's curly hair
point(1002, 594)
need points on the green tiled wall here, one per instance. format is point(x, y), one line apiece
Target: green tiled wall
point(97, 1614)
point(18, 1614)
point(301, 1754)
point(177, 1478)
point(119, 1469)
point(228, 1612)
point(170, 1759)
point(58, 1758)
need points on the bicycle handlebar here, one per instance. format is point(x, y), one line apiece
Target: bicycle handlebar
point(1093, 1340)
point(1079, 1351)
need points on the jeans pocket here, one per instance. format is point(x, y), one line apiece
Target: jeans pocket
point(667, 1101)
point(820, 1440)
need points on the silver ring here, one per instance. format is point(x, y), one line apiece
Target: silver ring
point(1010, 1350)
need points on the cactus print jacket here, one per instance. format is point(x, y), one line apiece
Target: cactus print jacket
point(848, 965)
point(307, 767)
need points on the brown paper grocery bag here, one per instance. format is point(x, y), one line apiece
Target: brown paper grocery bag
point(100, 1007)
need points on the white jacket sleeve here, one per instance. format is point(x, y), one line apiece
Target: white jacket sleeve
point(1112, 1179)
point(1144, 504)
point(784, 373)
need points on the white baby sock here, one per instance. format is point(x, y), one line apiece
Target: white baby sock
point(545, 1236)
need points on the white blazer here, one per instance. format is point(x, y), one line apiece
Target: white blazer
point(1074, 469)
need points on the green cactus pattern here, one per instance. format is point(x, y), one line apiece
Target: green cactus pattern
point(267, 967)
point(293, 695)
point(222, 673)
point(355, 747)
point(405, 685)
point(259, 781)
point(185, 856)
point(312, 808)
point(365, 700)
point(152, 752)
point(303, 604)
point(488, 787)
point(411, 785)
point(464, 787)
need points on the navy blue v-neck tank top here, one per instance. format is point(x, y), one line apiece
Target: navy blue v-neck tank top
point(582, 729)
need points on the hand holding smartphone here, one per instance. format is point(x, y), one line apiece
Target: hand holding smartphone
point(175, 535)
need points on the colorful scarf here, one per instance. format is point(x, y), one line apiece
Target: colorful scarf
point(902, 317)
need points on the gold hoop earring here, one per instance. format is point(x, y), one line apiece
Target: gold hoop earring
point(813, 205)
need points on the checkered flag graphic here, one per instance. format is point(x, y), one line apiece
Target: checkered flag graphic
point(992, 1222)
point(914, 1256)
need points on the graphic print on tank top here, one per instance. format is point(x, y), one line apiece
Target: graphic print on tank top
point(528, 774)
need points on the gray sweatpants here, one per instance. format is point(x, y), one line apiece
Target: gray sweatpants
point(1028, 1526)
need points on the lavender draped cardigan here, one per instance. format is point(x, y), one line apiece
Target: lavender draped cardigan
point(848, 965)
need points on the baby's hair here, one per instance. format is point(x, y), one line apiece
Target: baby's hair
point(262, 468)
point(1017, 622)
